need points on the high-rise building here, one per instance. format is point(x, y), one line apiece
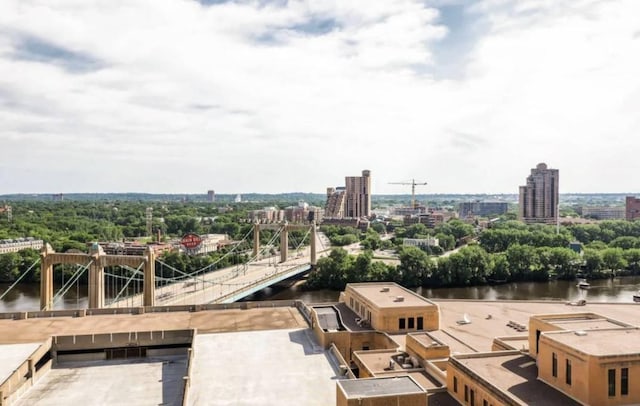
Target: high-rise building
point(357, 202)
point(211, 196)
point(632, 208)
point(351, 201)
point(539, 197)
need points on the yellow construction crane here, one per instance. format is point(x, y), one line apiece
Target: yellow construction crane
point(413, 184)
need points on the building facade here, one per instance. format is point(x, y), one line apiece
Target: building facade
point(632, 208)
point(604, 212)
point(211, 196)
point(540, 196)
point(352, 201)
point(482, 209)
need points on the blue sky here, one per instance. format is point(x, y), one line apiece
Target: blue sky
point(181, 96)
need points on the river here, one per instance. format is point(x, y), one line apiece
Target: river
point(26, 297)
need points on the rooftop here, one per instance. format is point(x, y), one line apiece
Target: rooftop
point(389, 295)
point(12, 355)
point(277, 367)
point(583, 321)
point(154, 380)
point(515, 374)
point(397, 385)
point(619, 341)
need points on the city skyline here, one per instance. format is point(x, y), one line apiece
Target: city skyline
point(178, 96)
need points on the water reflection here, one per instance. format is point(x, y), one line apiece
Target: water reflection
point(26, 297)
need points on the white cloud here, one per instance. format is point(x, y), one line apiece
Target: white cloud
point(275, 97)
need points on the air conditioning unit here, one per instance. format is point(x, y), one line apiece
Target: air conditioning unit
point(385, 289)
point(399, 299)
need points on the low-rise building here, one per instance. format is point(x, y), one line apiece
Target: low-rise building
point(421, 242)
point(19, 244)
point(604, 212)
point(482, 209)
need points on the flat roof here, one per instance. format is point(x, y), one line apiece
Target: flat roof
point(619, 341)
point(379, 361)
point(386, 295)
point(396, 385)
point(12, 355)
point(273, 367)
point(581, 321)
point(141, 381)
point(515, 374)
point(591, 324)
point(456, 346)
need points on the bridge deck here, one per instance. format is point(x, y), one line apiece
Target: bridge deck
point(227, 285)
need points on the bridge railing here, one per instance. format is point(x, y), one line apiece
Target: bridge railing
point(256, 283)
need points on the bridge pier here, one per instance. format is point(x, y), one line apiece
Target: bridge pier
point(96, 277)
point(256, 241)
point(312, 245)
point(149, 284)
point(46, 278)
point(284, 244)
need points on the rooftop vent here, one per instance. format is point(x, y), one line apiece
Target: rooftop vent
point(385, 289)
point(581, 333)
point(399, 299)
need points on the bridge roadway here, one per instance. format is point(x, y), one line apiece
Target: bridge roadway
point(228, 285)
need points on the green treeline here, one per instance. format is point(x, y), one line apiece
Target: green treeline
point(510, 251)
point(75, 224)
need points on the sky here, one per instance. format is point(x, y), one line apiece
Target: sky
point(182, 96)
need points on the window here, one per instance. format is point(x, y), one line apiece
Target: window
point(411, 322)
point(473, 398)
point(484, 402)
point(537, 340)
point(466, 393)
point(351, 302)
point(568, 371)
point(554, 365)
point(612, 382)
point(420, 323)
point(455, 384)
point(624, 381)
point(401, 323)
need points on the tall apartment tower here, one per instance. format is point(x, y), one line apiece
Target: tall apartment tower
point(211, 196)
point(357, 199)
point(632, 208)
point(539, 197)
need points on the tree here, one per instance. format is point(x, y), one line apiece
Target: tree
point(522, 259)
point(613, 260)
point(499, 268)
point(593, 262)
point(415, 266)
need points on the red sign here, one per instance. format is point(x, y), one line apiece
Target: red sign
point(191, 241)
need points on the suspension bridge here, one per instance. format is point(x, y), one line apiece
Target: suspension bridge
point(145, 280)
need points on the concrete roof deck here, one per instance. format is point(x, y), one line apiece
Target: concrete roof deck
point(12, 355)
point(385, 294)
point(600, 343)
point(277, 367)
point(397, 385)
point(515, 374)
point(142, 381)
point(212, 321)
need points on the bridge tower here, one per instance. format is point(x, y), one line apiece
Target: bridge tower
point(284, 238)
point(96, 260)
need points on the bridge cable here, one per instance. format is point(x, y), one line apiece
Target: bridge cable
point(65, 288)
point(19, 279)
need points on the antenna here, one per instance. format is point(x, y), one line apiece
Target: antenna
point(413, 185)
